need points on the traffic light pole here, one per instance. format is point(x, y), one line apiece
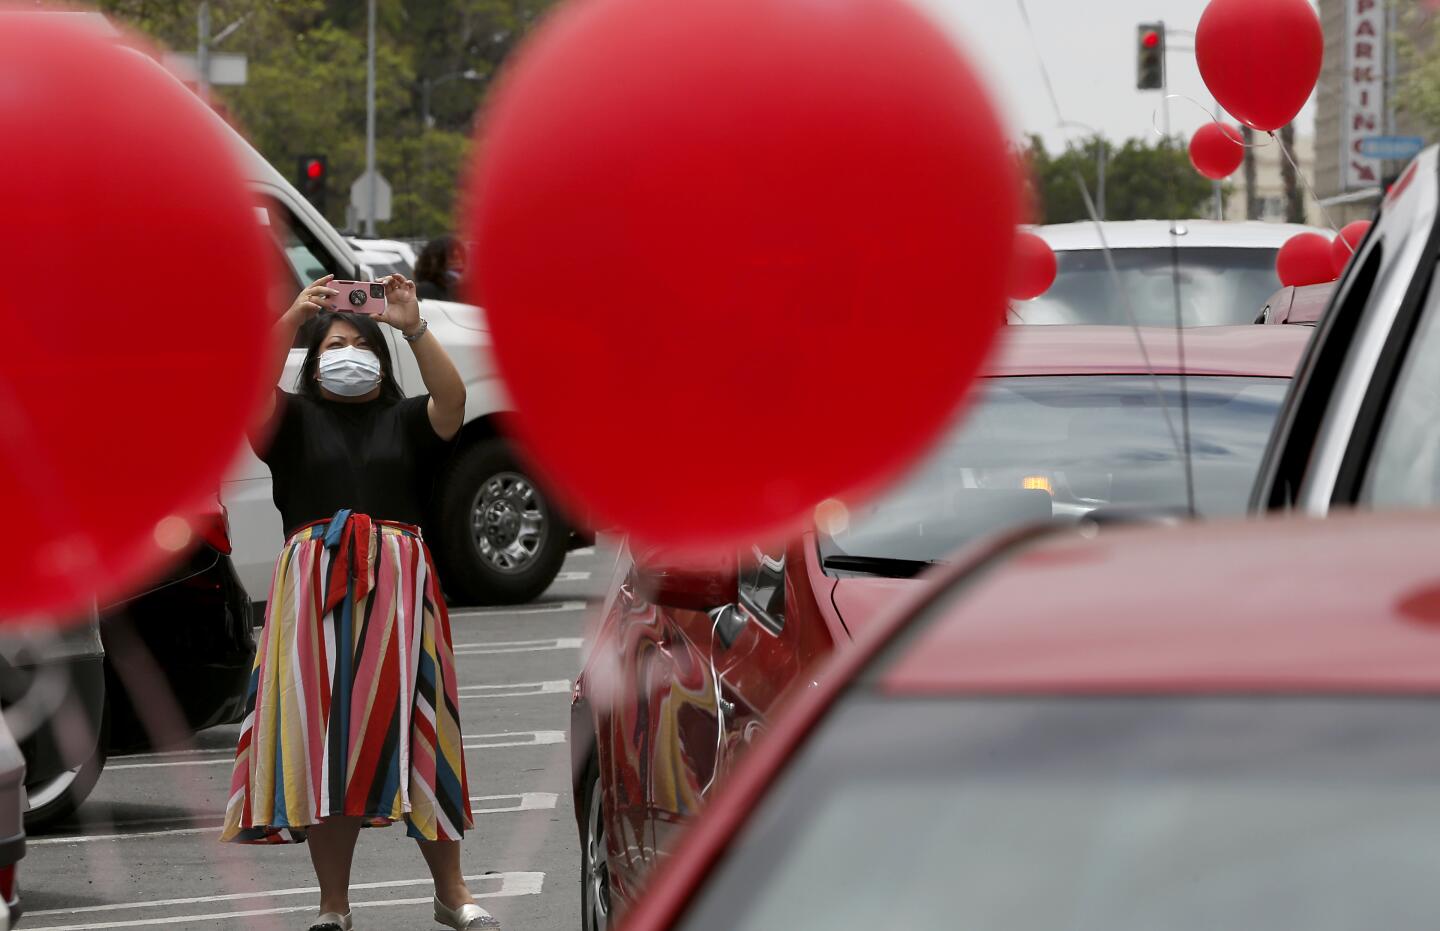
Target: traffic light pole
point(202, 49)
point(371, 195)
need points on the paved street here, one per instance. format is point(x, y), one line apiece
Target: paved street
point(146, 853)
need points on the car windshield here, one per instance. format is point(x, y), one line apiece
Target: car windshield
point(1217, 286)
point(1041, 447)
point(1098, 814)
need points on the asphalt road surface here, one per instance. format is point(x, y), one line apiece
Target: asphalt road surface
point(143, 851)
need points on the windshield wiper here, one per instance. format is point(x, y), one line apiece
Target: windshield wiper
point(887, 566)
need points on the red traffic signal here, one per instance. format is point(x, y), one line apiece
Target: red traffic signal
point(1150, 56)
point(310, 179)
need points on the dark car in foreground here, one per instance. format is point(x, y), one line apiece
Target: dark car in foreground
point(151, 670)
point(1120, 728)
point(691, 663)
point(179, 654)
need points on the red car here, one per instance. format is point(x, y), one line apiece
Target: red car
point(1303, 305)
point(689, 666)
point(1134, 728)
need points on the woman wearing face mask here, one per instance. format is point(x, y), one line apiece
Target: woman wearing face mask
point(353, 717)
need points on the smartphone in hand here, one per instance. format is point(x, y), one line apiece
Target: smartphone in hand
point(359, 297)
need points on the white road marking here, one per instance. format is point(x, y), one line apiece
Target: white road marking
point(511, 884)
point(571, 576)
point(537, 739)
point(503, 739)
point(155, 754)
point(553, 607)
point(518, 646)
point(522, 801)
point(528, 801)
point(583, 551)
point(517, 689)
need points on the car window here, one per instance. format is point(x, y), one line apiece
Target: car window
point(1099, 814)
point(1061, 447)
point(303, 259)
point(305, 256)
point(762, 583)
point(1404, 468)
point(1217, 286)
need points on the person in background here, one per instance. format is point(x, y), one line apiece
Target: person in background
point(352, 717)
point(439, 269)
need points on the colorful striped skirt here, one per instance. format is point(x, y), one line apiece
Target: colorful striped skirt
point(353, 708)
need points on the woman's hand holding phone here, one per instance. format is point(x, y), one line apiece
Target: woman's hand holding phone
point(314, 299)
point(402, 310)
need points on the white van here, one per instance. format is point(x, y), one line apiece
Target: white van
point(497, 537)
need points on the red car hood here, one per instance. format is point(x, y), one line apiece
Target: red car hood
point(859, 601)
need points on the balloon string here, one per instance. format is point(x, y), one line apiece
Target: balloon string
point(1154, 118)
point(1040, 60)
point(1119, 285)
point(1305, 183)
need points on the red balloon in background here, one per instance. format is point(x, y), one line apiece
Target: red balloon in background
point(1033, 271)
point(136, 312)
point(1216, 150)
point(722, 244)
point(1305, 259)
point(1260, 58)
point(1347, 242)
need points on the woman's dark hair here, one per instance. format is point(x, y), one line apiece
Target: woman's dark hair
point(433, 260)
point(318, 327)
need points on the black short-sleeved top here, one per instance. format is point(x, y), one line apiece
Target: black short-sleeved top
point(375, 457)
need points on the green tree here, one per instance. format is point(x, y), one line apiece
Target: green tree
point(306, 86)
point(1143, 180)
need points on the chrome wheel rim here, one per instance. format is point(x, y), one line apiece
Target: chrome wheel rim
point(597, 875)
point(509, 523)
point(52, 790)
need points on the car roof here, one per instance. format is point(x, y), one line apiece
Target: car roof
point(1139, 234)
point(1350, 603)
point(1268, 352)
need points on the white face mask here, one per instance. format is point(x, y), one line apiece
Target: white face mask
point(349, 371)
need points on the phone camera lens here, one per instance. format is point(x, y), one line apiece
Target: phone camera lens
point(377, 291)
point(357, 298)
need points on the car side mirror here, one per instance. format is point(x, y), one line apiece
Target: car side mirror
point(688, 583)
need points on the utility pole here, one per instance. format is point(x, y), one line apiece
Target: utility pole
point(1252, 196)
point(370, 126)
point(1294, 203)
point(202, 48)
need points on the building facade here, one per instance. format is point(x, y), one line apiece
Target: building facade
point(1355, 100)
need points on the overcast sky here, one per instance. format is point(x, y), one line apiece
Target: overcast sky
point(1089, 47)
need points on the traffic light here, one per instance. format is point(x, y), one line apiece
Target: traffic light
point(1150, 56)
point(311, 179)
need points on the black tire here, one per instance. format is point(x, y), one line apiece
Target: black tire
point(595, 913)
point(68, 790)
point(485, 477)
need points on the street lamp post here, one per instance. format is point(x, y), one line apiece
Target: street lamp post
point(427, 84)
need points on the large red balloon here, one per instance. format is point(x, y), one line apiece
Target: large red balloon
point(1216, 150)
point(135, 305)
point(722, 244)
point(1305, 259)
point(1033, 271)
point(1260, 58)
point(1346, 243)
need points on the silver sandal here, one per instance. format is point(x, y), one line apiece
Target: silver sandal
point(465, 918)
point(332, 921)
